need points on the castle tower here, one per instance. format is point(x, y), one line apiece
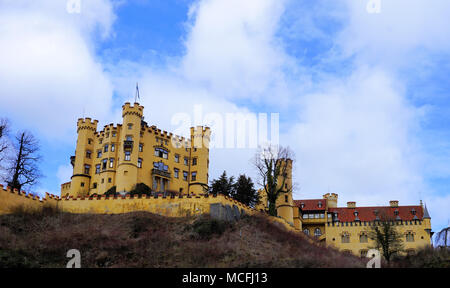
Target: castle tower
point(199, 162)
point(127, 169)
point(82, 164)
point(284, 203)
point(331, 199)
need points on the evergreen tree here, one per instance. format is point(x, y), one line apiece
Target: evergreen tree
point(245, 192)
point(223, 185)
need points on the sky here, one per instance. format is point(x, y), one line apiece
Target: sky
point(361, 92)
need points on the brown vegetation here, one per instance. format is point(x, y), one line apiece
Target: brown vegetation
point(42, 239)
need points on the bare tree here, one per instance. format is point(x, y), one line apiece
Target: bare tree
point(4, 129)
point(23, 162)
point(386, 236)
point(271, 164)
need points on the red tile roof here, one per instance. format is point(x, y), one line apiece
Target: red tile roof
point(367, 213)
point(311, 204)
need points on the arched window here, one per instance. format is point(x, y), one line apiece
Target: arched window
point(363, 253)
point(345, 237)
point(363, 238)
point(306, 231)
point(317, 232)
point(409, 237)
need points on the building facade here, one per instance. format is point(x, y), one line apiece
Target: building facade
point(347, 228)
point(133, 152)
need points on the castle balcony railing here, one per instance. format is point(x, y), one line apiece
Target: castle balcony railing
point(161, 173)
point(128, 144)
point(72, 160)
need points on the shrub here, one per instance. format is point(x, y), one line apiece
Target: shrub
point(207, 227)
point(141, 189)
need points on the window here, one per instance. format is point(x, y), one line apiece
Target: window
point(345, 238)
point(155, 184)
point(107, 135)
point(160, 166)
point(409, 237)
point(104, 163)
point(175, 172)
point(82, 184)
point(194, 176)
point(194, 161)
point(141, 147)
point(305, 216)
point(186, 161)
point(139, 164)
point(317, 232)
point(129, 138)
point(316, 216)
point(363, 238)
point(306, 231)
point(87, 168)
point(109, 180)
point(114, 134)
point(111, 162)
point(127, 155)
point(99, 153)
point(177, 158)
point(130, 126)
point(159, 152)
point(319, 204)
point(105, 148)
point(97, 169)
point(94, 186)
point(286, 198)
point(322, 215)
point(103, 180)
point(363, 253)
point(89, 141)
point(100, 141)
point(88, 154)
point(113, 147)
point(185, 175)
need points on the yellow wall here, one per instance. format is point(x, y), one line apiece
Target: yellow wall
point(12, 199)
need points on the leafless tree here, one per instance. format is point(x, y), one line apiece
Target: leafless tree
point(271, 164)
point(23, 167)
point(386, 236)
point(4, 129)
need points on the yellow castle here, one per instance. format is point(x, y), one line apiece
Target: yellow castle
point(346, 228)
point(133, 152)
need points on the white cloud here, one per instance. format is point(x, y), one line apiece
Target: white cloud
point(64, 173)
point(49, 73)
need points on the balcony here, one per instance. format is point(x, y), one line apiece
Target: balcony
point(72, 160)
point(161, 173)
point(128, 144)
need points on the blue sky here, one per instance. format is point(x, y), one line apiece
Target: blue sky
point(363, 98)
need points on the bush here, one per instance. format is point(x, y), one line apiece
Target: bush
point(141, 189)
point(206, 227)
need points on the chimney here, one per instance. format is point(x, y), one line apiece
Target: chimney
point(393, 203)
point(351, 204)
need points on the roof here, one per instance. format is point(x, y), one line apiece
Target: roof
point(405, 213)
point(311, 204)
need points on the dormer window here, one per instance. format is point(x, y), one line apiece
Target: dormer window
point(355, 213)
point(319, 204)
point(413, 211)
point(396, 212)
point(302, 205)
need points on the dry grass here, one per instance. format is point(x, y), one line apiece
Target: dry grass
point(146, 240)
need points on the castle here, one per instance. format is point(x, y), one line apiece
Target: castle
point(176, 170)
point(133, 152)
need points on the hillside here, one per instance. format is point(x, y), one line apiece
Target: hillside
point(143, 239)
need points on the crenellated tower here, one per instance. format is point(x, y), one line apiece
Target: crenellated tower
point(285, 203)
point(128, 147)
point(82, 161)
point(199, 162)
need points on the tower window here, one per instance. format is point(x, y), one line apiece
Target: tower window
point(105, 149)
point(130, 126)
point(286, 199)
point(89, 141)
point(177, 158)
point(94, 186)
point(317, 232)
point(159, 152)
point(194, 176)
point(88, 154)
point(113, 147)
point(139, 164)
point(111, 162)
point(114, 134)
point(99, 153)
point(186, 161)
point(175, 172)
point(97, 169)
point(185, 175)
point(129, 138)
point(104, 163)
point(127, 155)
point(141, 147)
point(87, 169)
point(194, 161)
point(82, 184)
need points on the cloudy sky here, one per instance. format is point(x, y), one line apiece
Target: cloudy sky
point(363, 97)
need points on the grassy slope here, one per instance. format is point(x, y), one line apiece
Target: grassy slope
point(146, 240)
